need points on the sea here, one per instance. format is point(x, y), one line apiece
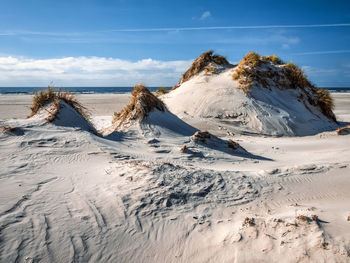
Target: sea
point(104, 90)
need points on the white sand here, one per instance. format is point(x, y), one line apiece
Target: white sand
point(67, 195)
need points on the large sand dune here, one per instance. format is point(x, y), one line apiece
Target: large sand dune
point(257, 96)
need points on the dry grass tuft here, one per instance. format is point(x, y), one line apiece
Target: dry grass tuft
point(245, 78)
point(317, 97)
point(203, 62)
point(296, 77)
point(251, 59)
point(48, 96)
point(245, 73)
point(343, 131)
point(303, 218)
point(250, 70)
point(307, 219)
point(233, 145)
point(200, 136)
point(325, 102)
point(141, 104)
point(183, 148)
point(7, 129)
point(274, 59)
point(41, 99)
point(162, 90)
point(210, 69)
point(248, 222)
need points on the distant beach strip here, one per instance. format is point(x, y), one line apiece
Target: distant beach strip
point(105, 90)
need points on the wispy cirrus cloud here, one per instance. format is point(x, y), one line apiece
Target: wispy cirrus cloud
point(261, 39)
point(160, 29)
point(309, 70)
point(229, 27)
point(88, 71)
point(324, 52)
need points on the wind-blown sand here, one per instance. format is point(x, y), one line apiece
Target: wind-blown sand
point(67, 195)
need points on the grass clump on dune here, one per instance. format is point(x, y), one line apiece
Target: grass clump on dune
point(48, 96)
point(7, 129)
point(296, 76)
point(41, 99)
point(325, 101)
point(245, 78)
point(245, 72)
point(318, 97)
point(251, 59)
point(141, 104)
point(210, 69)
point(274, 59)
point(162, 90)
point(344, 131)
point(266, 71)
point(203, 62)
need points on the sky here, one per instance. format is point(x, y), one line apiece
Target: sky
point(124, 42)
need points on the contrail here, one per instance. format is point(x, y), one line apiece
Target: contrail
point(167, 29)
point(323, 52)
point(225, 27)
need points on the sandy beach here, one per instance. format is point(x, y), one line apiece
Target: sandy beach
point(17, 106)
point(70, 196)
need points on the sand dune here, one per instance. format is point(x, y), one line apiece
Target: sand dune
point(271, 105)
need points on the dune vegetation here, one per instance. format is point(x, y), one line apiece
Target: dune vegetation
point(7, 129)
point(162, 90)
point(45, 97)
point(343, 131)
point(265, 71)
point(141, 104)
point(205, 61)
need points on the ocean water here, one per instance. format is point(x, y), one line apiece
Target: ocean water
point(77, 90)
point(104, 90)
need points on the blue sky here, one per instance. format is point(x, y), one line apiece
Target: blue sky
point(120, 43)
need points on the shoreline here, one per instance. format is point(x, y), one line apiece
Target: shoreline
point(105, 104)
point(153, 89)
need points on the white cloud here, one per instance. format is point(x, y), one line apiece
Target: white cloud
point(285, 46)
point(205, 15)
point(314, 71)
point(89, 71)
